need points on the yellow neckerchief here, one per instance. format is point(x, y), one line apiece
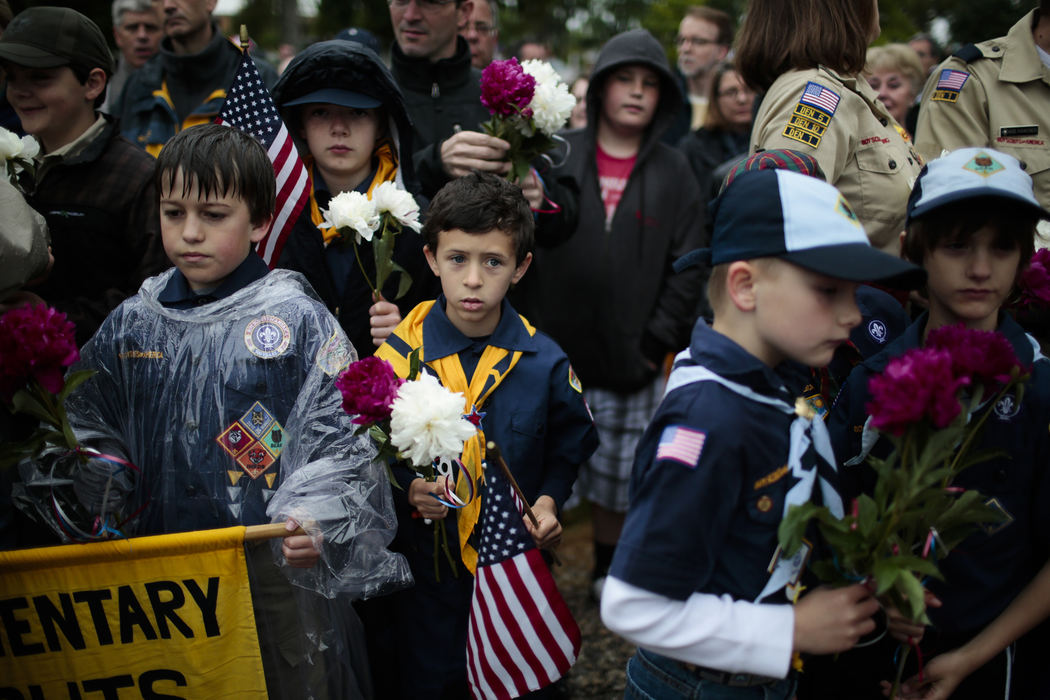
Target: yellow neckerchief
point(494, 365)
point(386, 171)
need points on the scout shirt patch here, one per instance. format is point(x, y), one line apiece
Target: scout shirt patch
point(877, 331)
point(984, 165)
point(334, 355)
point(812, 114)
point(574, 381)
point(254, 441)
point(267, 337)
point(681, 444)
point(949, 84)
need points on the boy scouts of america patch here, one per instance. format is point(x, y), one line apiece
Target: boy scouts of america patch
point(254, 441)
point(949, 84)
point(984, 165)
point(334, 355)
point(812, 114)
point(267, 337)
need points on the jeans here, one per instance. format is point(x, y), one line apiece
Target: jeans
point(654, 677)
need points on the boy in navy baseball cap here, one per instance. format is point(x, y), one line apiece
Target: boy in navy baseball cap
point(728, 453)
point(971, 224)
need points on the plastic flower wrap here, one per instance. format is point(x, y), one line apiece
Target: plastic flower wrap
point(931, 405)
point(528, 103)
point(388, 210)
point(16, 156)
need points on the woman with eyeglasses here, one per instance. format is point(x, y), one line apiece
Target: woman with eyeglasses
point(807, 57)
point(726, 130)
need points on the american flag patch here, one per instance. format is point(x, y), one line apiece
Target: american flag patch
point(949, 84)
point(818, 96)
point(681, 445)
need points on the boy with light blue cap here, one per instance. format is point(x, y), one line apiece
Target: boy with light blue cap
point(697, 581)
point(971, 225)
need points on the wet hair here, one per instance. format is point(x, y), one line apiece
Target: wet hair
point(959, 222)
point(480, 203)
point(782, 35)
point(220, 161)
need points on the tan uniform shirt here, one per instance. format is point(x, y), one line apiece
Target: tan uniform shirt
point(859, 146)
point(1003, 103)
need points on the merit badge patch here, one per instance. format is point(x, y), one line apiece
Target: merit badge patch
point(812, 114)
point(334, 355)
point(267, 337)
point(574, 381)
point(682, 445)
point(949, 84)
point(984, 165)
point(254, 441)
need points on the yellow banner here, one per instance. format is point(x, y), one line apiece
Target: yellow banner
point(150, 617)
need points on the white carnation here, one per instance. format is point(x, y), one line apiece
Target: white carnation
point(30, 147)
point(10, 145)
point(354, 211)
point(388, 198)
point(427, 423)
point(552, 102)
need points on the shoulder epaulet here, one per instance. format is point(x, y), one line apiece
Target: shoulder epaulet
point(968, 53)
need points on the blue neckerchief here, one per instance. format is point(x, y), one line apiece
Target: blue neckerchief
point(178, 295)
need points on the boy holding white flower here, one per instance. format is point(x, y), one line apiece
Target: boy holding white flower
point(520, 392)
point(353, 138)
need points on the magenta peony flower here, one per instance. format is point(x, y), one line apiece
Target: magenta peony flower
point(36, 342)
point(369, 387)
point(1035, 281)
point(985, 357)
point(506, 89)
point(918, 385)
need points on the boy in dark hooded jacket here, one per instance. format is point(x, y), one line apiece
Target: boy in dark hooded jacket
point(349, 120)
point(639, 209)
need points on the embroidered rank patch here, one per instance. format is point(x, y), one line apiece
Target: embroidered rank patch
point(255, 441)
point(1006, 517)
point(574, 381)
point(680, 444)
point(267, 337)
point(812, 114)
point(984, 165)
point(334, 355)
point(949, 84)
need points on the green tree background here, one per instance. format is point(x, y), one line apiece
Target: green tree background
point(575, 27)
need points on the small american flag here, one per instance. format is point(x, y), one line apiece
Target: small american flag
point(818, 96)
point(250, 108)
point(952, 79)
point(521, 636)
point(681, 445)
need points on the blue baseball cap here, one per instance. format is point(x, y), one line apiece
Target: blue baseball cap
point(800, 219)
point(972, 172)
point(336, 96)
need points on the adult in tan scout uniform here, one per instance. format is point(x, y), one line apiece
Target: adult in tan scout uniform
point(807, 56)
point(995, 94)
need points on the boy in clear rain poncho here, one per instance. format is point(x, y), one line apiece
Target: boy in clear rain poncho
point(217, 380)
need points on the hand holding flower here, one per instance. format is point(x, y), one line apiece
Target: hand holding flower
point(473, 150)
point(421, 495)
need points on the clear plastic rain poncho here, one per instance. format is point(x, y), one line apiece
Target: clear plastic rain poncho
point(230, 413)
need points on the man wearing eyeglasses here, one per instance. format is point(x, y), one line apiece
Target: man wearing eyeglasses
point(482, 33)
point(703, 40)
point(432, 64)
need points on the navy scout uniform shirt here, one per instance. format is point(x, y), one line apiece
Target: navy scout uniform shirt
point(709, 482)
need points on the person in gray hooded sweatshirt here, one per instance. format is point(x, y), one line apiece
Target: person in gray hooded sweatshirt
point(608, 294)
